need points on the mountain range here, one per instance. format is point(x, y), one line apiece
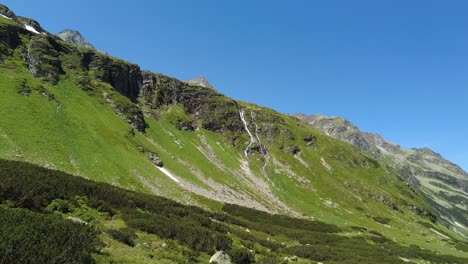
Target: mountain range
point(91, 143)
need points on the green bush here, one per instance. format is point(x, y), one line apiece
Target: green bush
point(241, 256)
point(124, 235)
point(28, 237)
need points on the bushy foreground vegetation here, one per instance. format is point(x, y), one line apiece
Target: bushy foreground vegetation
point(29, 237)
point(35, 229)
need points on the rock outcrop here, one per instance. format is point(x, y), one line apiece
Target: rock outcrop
point(43, 58)
point(153, 157)
point(215, 111)
point(200, 81)
point(126, 78)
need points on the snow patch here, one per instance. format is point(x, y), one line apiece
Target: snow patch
point(168, 174)
point(5, 16)
point(31, 29)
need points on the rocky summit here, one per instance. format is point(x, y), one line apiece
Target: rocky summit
point(74, 37)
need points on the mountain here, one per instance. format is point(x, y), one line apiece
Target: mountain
point(200, 81)
point(74, 37)
point(445, 184)
point(71, 110)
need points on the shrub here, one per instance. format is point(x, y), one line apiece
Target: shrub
point(124, 235)
point(241, 256)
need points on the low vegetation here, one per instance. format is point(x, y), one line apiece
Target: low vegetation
point(51, 217)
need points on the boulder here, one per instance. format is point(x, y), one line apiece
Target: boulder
point(153, 157)
point(220, 257)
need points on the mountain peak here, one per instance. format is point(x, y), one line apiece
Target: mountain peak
point(200, 81)
point(74, 37)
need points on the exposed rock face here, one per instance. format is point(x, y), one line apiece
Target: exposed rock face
point(200, 81)
point(342, 129)
point(440, 180)
point(220, 257)
point(7, 12)
point(9, 37)
point(33, 23)
point(126, 78)
point(43, 58)
point(74, 37)
point(216, 112)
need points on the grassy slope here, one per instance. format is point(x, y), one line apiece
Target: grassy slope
point(133, 227)
point(78, 132)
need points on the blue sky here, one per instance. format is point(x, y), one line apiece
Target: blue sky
point(395, 67)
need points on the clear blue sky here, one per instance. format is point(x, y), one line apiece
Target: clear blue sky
point(395, 67)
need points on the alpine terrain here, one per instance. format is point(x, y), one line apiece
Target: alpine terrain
point(103, 162)
point(442, 182)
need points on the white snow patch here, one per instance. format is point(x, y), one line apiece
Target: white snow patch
point(31, 29)
point(5, 16)
point(168, 174)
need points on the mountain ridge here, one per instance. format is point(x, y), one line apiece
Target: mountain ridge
point(417, 165)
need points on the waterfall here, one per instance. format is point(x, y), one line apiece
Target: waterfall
point(263, 149)
point(252, 139)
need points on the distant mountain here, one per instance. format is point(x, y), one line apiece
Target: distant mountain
point(443, 182)
point(74, 37)
point(200, 81)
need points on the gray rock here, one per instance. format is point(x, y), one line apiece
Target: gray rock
point(200, 81)
point(292, 259)
point(74, 37)
point(153, 157)
point(220, 257)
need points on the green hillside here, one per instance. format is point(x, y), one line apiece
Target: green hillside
point(72, 220)
point(80, 111)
